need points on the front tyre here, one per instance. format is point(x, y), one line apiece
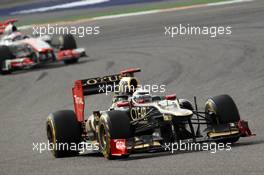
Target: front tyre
point(68, 43)
point(113, 125)
point(64, 42)
point(64, 133)
point(222, 110)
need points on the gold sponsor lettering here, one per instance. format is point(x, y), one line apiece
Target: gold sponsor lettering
point(138, 113)
point(111, 78)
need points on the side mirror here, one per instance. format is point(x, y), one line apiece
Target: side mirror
point(122, 104)
point(170, 97)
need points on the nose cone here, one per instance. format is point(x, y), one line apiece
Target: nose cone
point(185, 112)
point(168, 107)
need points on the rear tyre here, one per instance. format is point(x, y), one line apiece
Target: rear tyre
point(5, 54)
point(63, 129)
point(113, 125)
point(222, 110)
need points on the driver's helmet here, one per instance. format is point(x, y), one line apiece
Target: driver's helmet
point(142, 96)
point(10, 28)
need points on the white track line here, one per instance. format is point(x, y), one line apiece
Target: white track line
point(61, 6)
point(148, 12)
point(227, 2)
point(126, 15)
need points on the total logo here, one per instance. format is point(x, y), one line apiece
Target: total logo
point(120, 145)
point(78, 100)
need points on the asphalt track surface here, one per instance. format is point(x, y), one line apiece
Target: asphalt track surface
point(188, 66)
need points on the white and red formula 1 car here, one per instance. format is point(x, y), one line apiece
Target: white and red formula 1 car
point(19, 51)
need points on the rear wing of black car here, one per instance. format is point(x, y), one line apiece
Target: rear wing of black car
point(98, 85)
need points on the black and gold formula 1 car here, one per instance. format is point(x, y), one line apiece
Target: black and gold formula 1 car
point(137, 120)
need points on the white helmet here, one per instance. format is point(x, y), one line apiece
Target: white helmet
point(10, 28)
point(142, 95)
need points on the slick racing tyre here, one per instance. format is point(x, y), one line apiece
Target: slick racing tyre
point(65, 42)
point(5, 54)
point(68, 42)
point(222, 110)
point(63, 130)
point(113, 125)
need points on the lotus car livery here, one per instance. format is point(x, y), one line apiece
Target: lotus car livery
point(137, 120)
